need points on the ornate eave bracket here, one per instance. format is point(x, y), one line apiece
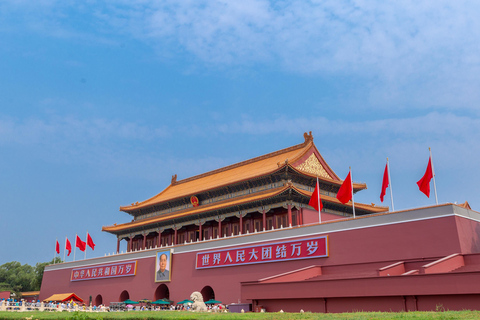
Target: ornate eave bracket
point(200, 222)
point(264, 208)
point(219, 218)
point(285, 204)
point(241, 213)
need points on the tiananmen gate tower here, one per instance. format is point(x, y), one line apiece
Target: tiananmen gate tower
point(245, 235)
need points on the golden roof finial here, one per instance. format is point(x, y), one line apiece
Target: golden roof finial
point(308, 137)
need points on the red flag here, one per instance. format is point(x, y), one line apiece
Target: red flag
point(424, 183)
point(80, 244)
point(345, 192)
point(57, 247)
point(384, 183)
point(315, 199)
point(68, 247)
point(90, 242)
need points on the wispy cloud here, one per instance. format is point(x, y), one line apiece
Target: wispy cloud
point(414, 127)
point(71, 130)
point(418, 54)
point(96, 142)
point(101, 143)
point(318, 36)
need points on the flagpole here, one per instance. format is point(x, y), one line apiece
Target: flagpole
point(86, 246)
point(75, 246)
point(390, 183)
point(433, 172)
point(65, 249)
point(318, 199)
point(351, 189)
point(56, 241)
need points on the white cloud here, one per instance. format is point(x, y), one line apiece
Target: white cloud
point(72, 130)
point(98, 142)
point(431, 124)
point(408, 53)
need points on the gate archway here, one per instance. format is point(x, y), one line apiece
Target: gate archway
point(208, 293)
point(162, 292)
point(124, 295)
point(98, 300)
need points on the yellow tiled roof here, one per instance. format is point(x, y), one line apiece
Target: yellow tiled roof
point(236, 173)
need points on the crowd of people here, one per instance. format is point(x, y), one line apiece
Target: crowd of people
point(21, 305)
point(172, 307)
point(14, 305)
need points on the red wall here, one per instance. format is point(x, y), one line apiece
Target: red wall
point(311, 216)
point(374, 304)
point(352, 253)
point(469, 231)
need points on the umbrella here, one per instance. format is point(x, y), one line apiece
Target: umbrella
point(160, 302)
point(128, 301)
point(185, 301)
point(211, 301)
point(169, 301)
point(145, 301)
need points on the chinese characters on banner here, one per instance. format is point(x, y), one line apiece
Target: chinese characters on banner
point(123, 269)
point(272, 252)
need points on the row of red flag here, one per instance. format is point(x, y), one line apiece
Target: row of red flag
point(82, 245)
point(423, 184)
point(345, 193)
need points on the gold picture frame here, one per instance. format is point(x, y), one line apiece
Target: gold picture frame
point(163, 260)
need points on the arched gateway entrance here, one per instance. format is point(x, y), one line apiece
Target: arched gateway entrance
point(124, 295)
point(208, 293)
point(162, 292)
point(98, 300)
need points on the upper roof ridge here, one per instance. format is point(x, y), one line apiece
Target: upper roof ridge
point(308, 138)
point(265, 164)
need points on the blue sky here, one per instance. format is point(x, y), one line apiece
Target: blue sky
point(101, 102)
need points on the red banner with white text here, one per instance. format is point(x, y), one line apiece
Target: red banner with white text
point(272, 252)
point(113, 270)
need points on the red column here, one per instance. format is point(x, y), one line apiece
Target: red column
point(144, 241)
point(220, 227)
point(229, 229)
point(118, 245)
point(159, 240)
point(200, 236)
point(300, 216)
point(130, 244)
point(241, 225)
point(175, 236)
point(289, 215)
point(264, 219)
